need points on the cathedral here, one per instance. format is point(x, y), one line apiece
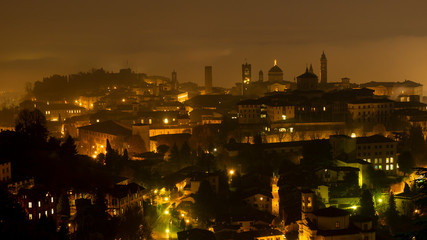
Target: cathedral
point(276, 82)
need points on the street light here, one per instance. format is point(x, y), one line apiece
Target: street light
point(231, 172)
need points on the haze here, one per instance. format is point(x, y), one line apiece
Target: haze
point(363, 40)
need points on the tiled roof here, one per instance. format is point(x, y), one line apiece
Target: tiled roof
point(109, 127)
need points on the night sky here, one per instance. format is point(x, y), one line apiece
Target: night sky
point(364, 40)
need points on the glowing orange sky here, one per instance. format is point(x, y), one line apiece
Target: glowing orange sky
point(363, 40)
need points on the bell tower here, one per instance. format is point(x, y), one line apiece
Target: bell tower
point(307, 197)
point(275, 192)
point(323, 69)
point(246, 77)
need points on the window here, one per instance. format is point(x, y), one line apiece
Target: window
point(39, 204)
point(387, 167)
point(391, 160)
point(51, 199)
point(30, 216)
point(45, 213)
point(52, 211)
point(391, 166)
point(337, 224)
point(381, 167)
point(30, 205)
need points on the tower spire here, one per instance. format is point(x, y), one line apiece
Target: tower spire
point(275, 62)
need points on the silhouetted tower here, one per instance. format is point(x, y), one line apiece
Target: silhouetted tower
point(208, 79)
point(323, 69)
point(261, 76)
point(311, 69)
point(174, 81)
point(246, 77)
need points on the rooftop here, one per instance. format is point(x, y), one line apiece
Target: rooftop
point(109, 127)
point(373, 139)
point(331, 212)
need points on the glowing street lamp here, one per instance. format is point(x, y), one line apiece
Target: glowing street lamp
point(231, 172)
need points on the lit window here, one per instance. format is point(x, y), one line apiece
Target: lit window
point(381, 167)
point(387, 167)
point(337, 224)
point(30, 205)
point(52, 211)
point(391, 160)
point(39, 204)
point(397, 165)
point(387, 160)
point(45, 213)
point(376, 160)
point(51, 199)
point(30, 216)
point(40, 215)
point(391, 166)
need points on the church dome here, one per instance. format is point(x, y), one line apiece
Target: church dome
point(275, 69)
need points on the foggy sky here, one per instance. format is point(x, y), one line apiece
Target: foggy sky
point(363, 40)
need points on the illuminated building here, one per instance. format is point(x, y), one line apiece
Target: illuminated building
point(93, 138)
point(371, 111)
point(122, 197)
point(275, 73)
point(260, 200)
point(378, 150)
point(395, 89)
point(331, 223)
point(37, 202)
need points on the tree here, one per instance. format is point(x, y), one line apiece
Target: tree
point(416, 140)
point(174, 154)
point(391, 214)
point(185, 153)
point(32, 124)
point(131, 223)
point(125, 155)
point(205, 202)
point(68, 149)
point(163, 149)
point(367, 208)
point(406, 162)
point(63, 206)
point(407, 189)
